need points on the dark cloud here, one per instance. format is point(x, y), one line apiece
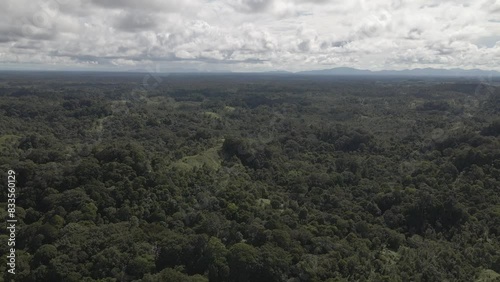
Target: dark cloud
point(253, 6)
point(441, 48)
point(29, 31)
point(8, 34)
point(339, 43)
point(315, 1)
point(123, 4)
point(305, 46)
point(26, 30)
point(414, 33)
point(5, 39)
point(134, 22)
point(164, 6)
point(32, 44)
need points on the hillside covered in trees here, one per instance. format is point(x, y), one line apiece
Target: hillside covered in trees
point(251, 178)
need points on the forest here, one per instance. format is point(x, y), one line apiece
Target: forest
point(251, 177)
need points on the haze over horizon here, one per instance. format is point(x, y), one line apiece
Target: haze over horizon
point(248, 35)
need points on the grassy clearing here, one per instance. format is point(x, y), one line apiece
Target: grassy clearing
point(488, 275)
point(209, 158)
point(212, 115)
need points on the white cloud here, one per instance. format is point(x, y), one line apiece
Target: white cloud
point(251, 34)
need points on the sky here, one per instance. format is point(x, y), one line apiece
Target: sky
point(248, 35)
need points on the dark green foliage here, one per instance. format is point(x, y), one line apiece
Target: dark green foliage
point(229, 178)
point(492, 129)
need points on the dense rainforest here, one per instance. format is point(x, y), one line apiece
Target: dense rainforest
point(251, 177)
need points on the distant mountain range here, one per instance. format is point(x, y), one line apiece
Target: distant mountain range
point(412, 72)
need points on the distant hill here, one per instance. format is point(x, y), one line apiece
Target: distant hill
point(412, 72)
point(278, 72)
point(338, 71)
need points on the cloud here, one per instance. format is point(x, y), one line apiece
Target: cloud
point(133, 22)
point(165, 6)
point(488, 41)
point(252, 6)
point(250, 34)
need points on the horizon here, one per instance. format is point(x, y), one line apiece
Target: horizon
point(336, 71)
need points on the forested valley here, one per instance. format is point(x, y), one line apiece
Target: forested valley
point(231, 177)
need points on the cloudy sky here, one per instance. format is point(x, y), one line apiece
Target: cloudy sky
point(248, 35)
